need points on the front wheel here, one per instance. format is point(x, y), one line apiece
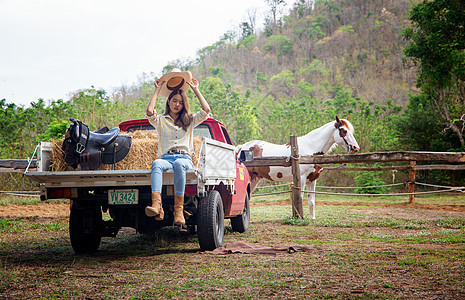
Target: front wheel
point(210, 221)
point(84, 226)
point(241, 223)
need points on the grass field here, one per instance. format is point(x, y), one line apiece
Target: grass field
point(369, 248)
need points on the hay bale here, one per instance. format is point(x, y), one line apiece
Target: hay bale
point(143, 152)
point(57, 160)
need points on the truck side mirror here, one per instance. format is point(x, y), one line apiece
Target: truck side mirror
point(245, 156)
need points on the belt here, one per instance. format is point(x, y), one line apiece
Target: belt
point(174, 151)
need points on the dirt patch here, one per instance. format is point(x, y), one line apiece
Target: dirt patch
point(41, 209)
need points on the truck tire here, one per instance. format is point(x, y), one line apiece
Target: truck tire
point(84, 229)
point(210, 221)
point(241, 222)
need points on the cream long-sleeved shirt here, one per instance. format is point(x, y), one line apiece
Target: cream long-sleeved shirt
point(171, 136)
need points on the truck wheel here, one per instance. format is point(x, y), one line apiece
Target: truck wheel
point(210, 221)
point(83, 229)
point(241, 222)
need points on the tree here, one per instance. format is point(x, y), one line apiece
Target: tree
point(252, 18)
point(419, 126)
point(246, 29)
point(437, 47)
point(231, 109)
point(275, 8)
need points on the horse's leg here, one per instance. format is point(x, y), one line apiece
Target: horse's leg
point(302, 192)
point(254, 182)
point(311, 198)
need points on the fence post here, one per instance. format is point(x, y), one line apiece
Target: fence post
point(297, 208)
point(411, 187)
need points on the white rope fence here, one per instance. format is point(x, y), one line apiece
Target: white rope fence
point(360, 187)
point(446, 189)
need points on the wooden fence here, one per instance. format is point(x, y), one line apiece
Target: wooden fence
point(456, 158)
point(16, 165)
point(413, 157)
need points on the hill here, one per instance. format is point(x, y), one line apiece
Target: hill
point(356, 44)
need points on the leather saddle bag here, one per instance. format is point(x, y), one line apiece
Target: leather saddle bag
point(91, 149)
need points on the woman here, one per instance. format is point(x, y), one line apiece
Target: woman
point(175, 138)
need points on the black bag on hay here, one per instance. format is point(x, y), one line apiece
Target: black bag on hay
point(91, 149)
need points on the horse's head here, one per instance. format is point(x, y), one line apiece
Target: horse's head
point(344, 135)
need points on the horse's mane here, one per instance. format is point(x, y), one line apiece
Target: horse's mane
point(333, 147)
point(317, 130)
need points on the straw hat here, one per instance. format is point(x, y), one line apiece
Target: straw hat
point(176, 79)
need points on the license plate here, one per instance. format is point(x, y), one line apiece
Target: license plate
point(123, 197)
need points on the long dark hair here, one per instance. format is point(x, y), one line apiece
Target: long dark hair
point(184, 117)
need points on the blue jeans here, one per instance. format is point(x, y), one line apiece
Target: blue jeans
point(177, 162)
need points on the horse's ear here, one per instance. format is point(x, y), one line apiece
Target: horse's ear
point(347, 118)
point(338, 122)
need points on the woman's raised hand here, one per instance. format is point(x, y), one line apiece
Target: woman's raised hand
point(194, 84)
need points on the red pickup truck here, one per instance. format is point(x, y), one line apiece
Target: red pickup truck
point(218, 188)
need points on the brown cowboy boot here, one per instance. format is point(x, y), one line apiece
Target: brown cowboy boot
point(179, 210)
point(156, 210)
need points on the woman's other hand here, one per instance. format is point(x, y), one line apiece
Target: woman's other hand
point(158, 83)
point(194, 84)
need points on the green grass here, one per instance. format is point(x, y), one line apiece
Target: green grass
point(18, 200)
point(421, 237)
point(7, 275)
point(51, 226)
point(8, 225)
point(17, 225)
point(269, 213)
point(342, 217)
point(453, 223)
point(6, 200)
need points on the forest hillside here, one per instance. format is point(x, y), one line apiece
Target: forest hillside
point(357, 44)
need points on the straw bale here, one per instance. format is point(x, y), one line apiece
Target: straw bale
point(143, 152)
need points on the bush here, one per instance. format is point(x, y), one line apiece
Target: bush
point(367, 179)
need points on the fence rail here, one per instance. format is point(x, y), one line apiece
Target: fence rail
point(396, 168)
point(374, 157)
point(16, 165)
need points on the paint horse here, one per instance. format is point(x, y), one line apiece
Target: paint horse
point(317, 142)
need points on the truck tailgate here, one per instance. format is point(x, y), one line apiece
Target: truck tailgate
point(104, 178)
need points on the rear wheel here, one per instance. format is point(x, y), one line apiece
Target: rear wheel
point(84, 225)
point(241, 222)
point(210, 221)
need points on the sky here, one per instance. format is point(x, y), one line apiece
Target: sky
point(50, 48)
